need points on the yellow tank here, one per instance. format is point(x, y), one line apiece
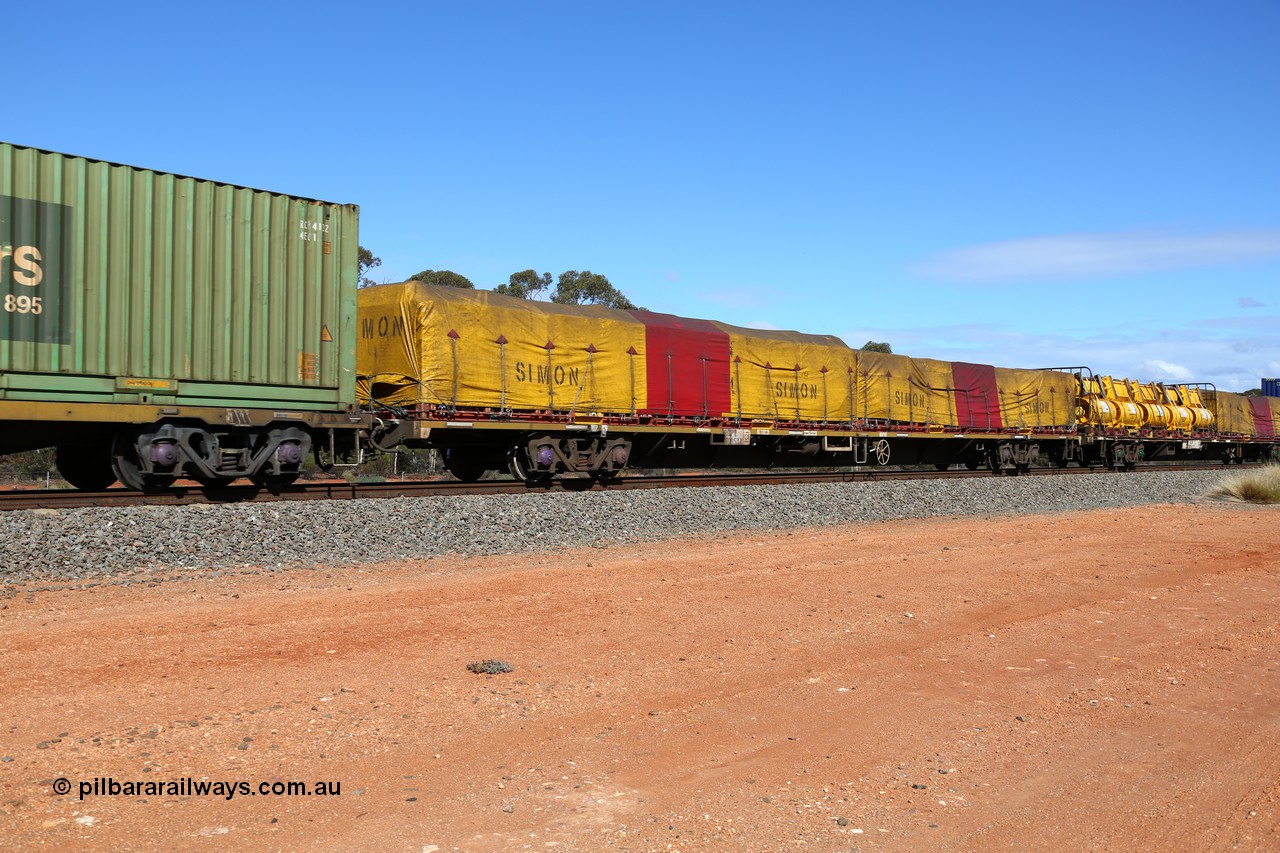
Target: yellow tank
point(1159, 416)
point(1092, 409)
point(1156, 414)
point(1128, 413)
point(1131, 415)
point(1118, 394)
point(1183, 419)
point(1097, 411)
point(1201, 417)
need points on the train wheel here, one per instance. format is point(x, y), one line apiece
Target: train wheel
point(942, 466)
point(462, 465)
point(274, 482)
point(518, 465)
point(973, 463)
point(124, 461)
point(85, 466)
point(606, 476)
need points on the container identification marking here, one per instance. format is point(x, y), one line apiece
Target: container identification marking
point(311, 231)
point(35, 270)
point(308, 366)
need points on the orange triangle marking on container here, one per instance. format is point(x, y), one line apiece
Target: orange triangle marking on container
point(324, 334)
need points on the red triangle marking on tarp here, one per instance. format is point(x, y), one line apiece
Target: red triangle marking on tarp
point(592, 348)
point(549, 346)
point(632, 351)
point(501, 341)
point(453, 333)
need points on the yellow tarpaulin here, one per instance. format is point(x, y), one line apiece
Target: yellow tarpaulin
point(1233, 412)
point(476, 349)
point(778, 375)
point(1036, 398)
point(906, 390)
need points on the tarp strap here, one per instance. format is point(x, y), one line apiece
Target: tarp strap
point(586, 373)
point(453, 347)
point(705, 401)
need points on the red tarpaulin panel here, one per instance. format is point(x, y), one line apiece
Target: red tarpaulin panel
point(687, 364)
point(1263, 425)
point(977, 396)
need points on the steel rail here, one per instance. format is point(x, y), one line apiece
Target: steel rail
point(17, 499)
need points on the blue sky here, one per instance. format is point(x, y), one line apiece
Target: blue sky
point(1025, 184)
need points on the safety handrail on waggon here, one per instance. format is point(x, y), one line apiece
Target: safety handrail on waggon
point(1075, 370)
point(1084, 375)
point(1207, 386)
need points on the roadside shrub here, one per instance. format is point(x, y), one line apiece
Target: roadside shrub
point(1261, 486)
point(490, 667)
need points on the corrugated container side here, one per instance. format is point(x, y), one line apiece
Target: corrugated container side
point(216, 294)
point(1271, 387)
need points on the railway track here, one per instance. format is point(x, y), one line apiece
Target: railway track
point(340, 490)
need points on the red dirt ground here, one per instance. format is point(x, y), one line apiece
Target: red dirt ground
point(1093, 681)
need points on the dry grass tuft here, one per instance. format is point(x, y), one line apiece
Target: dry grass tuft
point(1260, 487)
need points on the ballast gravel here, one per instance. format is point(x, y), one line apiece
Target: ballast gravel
point(142, 544)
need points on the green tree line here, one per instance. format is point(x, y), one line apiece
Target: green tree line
point(571, 288)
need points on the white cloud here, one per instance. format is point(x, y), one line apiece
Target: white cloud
point(1085, 256)
point(1166, 371)
point(1249, 302)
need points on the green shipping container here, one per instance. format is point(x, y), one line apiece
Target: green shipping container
point(122, 284)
